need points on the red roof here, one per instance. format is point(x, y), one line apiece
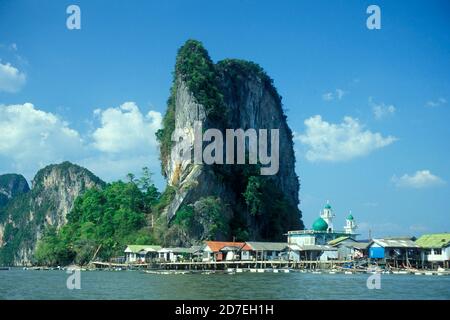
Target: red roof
point(215, 246)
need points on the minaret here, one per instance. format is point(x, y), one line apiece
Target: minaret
point(327, 215)
point(350, 226)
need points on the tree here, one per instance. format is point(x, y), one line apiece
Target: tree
point(109, 218)
point(131, 177)
point(253, 195)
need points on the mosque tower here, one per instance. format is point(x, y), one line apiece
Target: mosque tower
point(328, 215)
point(350, 226)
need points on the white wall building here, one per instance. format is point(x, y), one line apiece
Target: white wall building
point(435, 248)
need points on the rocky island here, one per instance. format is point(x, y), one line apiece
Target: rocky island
point(70, 215)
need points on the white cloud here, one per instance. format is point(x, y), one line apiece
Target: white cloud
point(339, 142)
point(420, 179)
point(32, 137)
point(381, 110)
point(328, 96)
point(124, 142)
point(336, 94)
point(125, 128)
point(340, 93)
point(436, 103)
point(11, 79)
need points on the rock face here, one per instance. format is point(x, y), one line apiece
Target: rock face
point(232, 94)
point(24, 218)
point(12, 185)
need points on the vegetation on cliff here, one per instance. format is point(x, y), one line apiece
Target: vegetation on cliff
point(25, 215)
point(239, 70)
point(11, 185)
point(105, 219)
point(195, 68)
point(258, 209)
point(102, 219)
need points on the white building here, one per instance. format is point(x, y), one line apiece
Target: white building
point(176, 254)
point(322, 230)
point(435, 248)
point(141, 253)
point(350, 226)
point(312, 244)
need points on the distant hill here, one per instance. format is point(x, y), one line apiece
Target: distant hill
point(26, 213)
point(11, 185)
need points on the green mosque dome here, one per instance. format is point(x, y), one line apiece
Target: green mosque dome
point(327, 206)
point(320, 225)
point(350, 217)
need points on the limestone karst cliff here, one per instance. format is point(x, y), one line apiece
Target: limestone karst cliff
point(12, 185)
point(23, 219)
point(231, 94)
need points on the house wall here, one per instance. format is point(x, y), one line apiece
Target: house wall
point(207, 256)
point(294, 255)
point(445, 255)
point(345, 253)
point(131, 257)
point(376, 252)
point(231, 255)
point(329, 255)
point(245, 255)
point(301, 240)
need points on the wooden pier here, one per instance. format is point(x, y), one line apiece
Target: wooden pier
point(224, 265)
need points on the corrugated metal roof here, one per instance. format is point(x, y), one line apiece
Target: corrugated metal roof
point(436, 240)
point(395, 243)
point(135, 248)
point(337, 240)
point(215, 246)
point(267, 246)
point(178, 250)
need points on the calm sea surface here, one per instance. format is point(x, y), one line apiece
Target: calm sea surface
point(20, 284)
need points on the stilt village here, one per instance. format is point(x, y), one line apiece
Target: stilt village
point(319, 249)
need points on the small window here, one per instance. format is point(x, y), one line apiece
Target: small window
point(438, 251)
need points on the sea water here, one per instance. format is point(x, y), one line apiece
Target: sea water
point(34, 284)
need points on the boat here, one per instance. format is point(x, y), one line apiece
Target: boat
point(239, 270)
point(260, 270)
point(4, 268)
point(348, 272)
point(275, 270)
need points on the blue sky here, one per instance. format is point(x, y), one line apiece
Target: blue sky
point(369, 108)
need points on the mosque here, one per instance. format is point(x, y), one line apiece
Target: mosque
point(323, 230)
